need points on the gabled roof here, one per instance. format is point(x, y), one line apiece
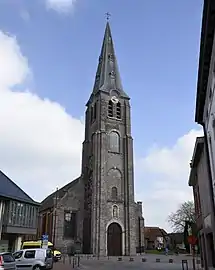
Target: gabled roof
point(48, 202)
point(153, 232)
point(8, 189)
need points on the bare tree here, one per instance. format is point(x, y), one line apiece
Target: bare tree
point(185, 212)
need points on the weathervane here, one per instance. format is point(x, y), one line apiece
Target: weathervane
point(107, 15)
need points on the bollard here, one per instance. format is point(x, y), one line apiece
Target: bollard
point(184, 264)
point(131, 259)
point(170, 260)
point(64, 258)
point(78, 261)
point(158, 260)
point(73, 263)
point(70, 258)
point(143, 259)
point(119, 259)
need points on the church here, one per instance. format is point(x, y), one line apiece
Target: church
point(97, 213)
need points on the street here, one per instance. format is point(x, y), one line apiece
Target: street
point(137, 263)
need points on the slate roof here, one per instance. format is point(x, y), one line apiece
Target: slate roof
point(48, 202)
point(8, 189)
point(107, 75)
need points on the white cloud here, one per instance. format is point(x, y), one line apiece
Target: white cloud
point(40, 143)
point(13, 66)
point(62, 6)
point(164, 179)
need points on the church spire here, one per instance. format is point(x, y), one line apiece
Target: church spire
point(107, 75)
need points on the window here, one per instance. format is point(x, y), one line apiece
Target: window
point(48, 253)
point(110, 108)
point(67, 217)
point(91, 114)
point(30, 254)
point(210, 94)
point(114, 142)
point(110, 57)
point(118, 110)
point(70, 225)
point(18, 254)
point(8, 258)
point(115, 211)
point(95, 111)
point(114, 193)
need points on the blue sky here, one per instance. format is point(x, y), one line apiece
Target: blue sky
point(157, 47)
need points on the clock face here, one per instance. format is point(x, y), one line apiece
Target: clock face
point(114, 99)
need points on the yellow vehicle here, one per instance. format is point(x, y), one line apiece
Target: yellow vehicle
point(38, 244)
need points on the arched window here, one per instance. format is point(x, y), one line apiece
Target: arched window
point(95, 111)
point(114, 193)
point(91, 114)
point(115, 211)
point(114, 141)
point(110, 108)
point(118, 110)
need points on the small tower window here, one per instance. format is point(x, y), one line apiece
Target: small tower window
point(115, 211)
point(110, 108)
point(114, 142)
point(91, 114)
point(118, 110)
point(95, 111)
point(114, 193)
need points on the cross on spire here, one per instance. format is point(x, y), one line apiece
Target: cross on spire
point(107, 15)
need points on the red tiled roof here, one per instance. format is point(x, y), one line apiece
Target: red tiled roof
point(153, 232)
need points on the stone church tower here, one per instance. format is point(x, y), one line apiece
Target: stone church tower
point(96, 213)
point(107, 162)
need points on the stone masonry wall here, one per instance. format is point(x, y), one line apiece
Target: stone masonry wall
point(72, 201)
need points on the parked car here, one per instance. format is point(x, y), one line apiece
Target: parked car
point(34, 259)
point(7, 261)
point(38, 244)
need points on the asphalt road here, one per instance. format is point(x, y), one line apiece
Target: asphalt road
point(114, 264)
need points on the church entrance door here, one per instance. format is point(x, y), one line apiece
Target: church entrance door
point(114, 240)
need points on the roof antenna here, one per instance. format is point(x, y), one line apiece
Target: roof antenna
point(107, 16)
